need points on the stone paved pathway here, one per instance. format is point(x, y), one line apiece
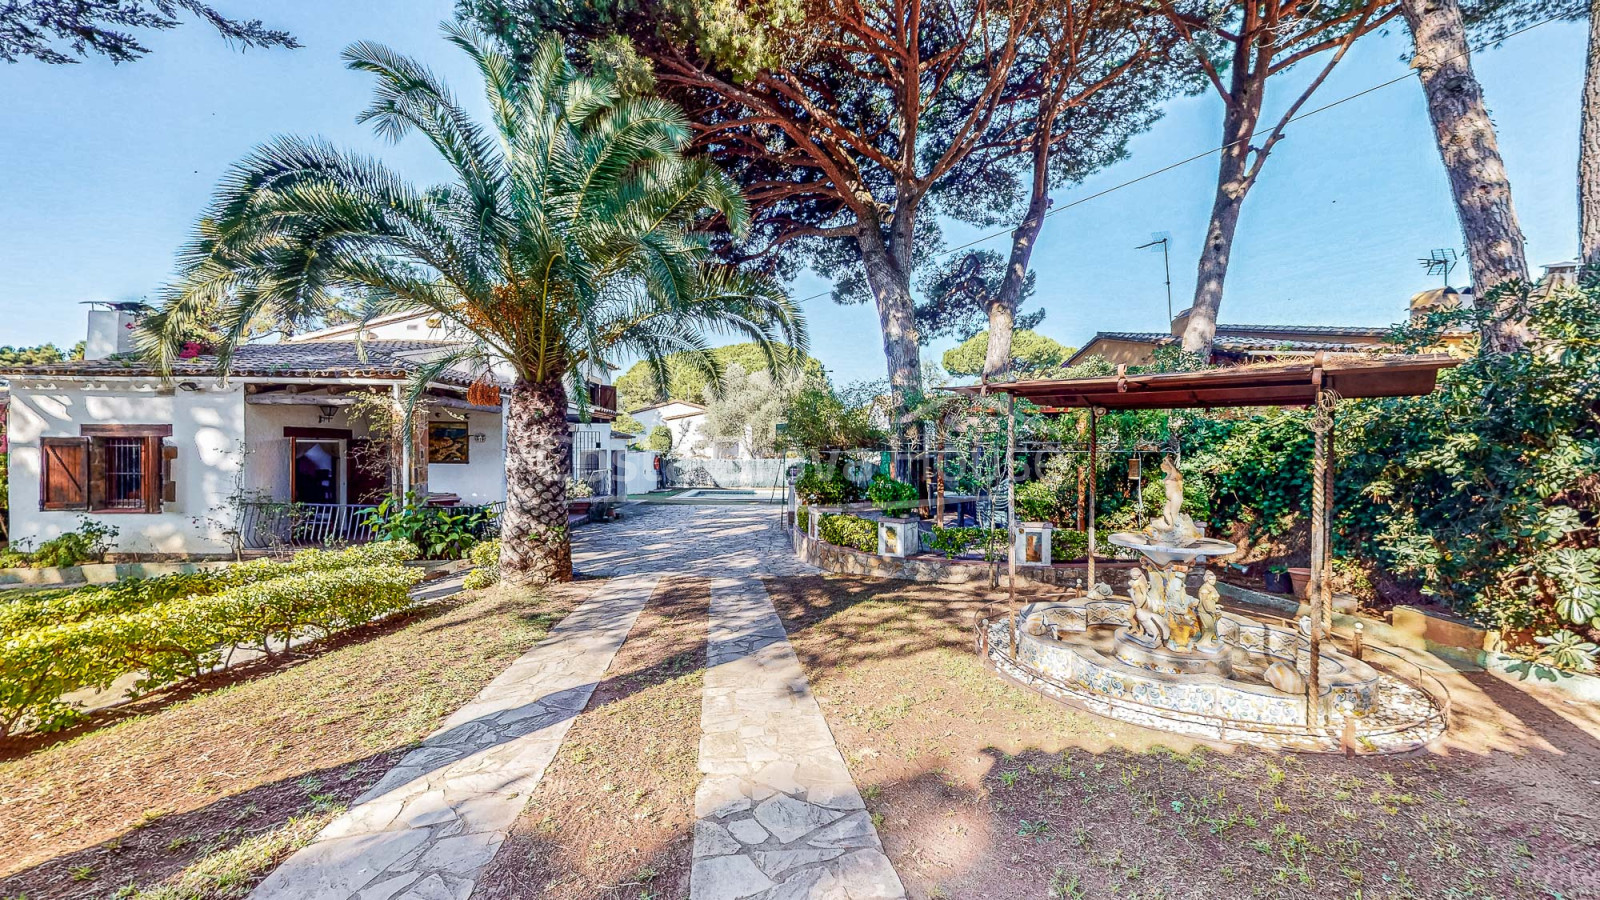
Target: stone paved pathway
point(780, 817)
point(431, 825)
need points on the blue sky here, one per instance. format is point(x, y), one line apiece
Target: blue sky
point(103, 169)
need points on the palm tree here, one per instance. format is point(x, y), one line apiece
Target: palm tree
point(570, 237)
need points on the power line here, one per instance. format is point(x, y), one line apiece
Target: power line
point(1199, 156)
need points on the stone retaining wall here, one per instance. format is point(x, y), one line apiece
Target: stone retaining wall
point(938, 570)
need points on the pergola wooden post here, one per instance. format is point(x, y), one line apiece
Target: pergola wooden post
point(1094, 449)
point(1011, 519)
point(1320, 589)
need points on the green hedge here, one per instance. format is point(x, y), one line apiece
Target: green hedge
point(952, 542)
point(182, 637)
point(802, 519)
point(132, 594)
point(1070, 543)
point(844, 530)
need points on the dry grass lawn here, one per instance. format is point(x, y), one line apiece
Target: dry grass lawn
point(201, 796)
point(984, 789)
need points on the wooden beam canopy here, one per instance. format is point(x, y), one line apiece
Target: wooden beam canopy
point(1268, 384)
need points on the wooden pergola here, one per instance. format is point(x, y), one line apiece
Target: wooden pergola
point(1318, 382)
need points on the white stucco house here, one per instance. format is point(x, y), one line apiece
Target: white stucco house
point(690, 439)
point(188, 465)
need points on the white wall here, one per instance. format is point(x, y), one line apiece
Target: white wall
point(482, 478)
point(207, 427)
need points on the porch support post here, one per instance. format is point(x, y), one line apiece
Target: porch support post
point(1321, 426)
point(1094, 450)
point(405, 440)
point(1011, 519)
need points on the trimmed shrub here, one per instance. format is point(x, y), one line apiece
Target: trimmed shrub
point(825, 485)
point(802, 519)
point(844, 530)
point(890, 494)
point(486, 561)
point(182, 637)
point(1070, 543)
point(952, 542)
point(132, 594)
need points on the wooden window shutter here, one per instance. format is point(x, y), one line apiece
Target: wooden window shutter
point(150, 468)
point(64, 475)
point(169, 486)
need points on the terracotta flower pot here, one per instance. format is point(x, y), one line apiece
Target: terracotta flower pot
point(1301, 578)
point(577, 507)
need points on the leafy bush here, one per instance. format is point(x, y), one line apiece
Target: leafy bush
point(1487, 492)
point(826, 485)
point(1564, 650)
point(952, 542)
point(890, 494)
point(438, 531)
point(87, 543)
point(802, 519)
point(183, 637)
point(485, 558)
point(579, 490)
point(1070, 543)
point(845, 530)
point(1039, 501)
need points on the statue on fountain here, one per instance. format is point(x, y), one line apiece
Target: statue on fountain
point(1175, 528)
point(1148, 616)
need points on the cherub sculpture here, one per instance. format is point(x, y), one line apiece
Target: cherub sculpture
point(1206, 610)
point(1147, 616)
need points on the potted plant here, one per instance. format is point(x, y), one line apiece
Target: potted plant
point(578, 494)
point(1277, 579)
point(1300, 577)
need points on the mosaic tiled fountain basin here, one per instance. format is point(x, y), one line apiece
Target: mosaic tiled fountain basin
point(1072, 655)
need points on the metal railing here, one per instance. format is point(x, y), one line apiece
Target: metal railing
point(265, 526)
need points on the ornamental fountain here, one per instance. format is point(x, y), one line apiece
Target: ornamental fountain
point(1163, 657)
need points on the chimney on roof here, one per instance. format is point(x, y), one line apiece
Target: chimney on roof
point(111, 328)
point(1180, 322)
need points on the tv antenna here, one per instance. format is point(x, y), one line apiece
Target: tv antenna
point(1440, 262)
point(1163, 240)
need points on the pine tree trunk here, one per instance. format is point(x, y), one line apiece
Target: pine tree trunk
point(1233, 182)
point(1003, 310)
point(890, 281)
point(1589, 149)
point(535, 546)
point(1470, 153)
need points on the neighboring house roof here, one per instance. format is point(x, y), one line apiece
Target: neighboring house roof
point(331, 359)
point(1252, 338)
point(655, 406)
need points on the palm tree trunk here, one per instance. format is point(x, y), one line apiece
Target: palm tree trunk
point(1466, 139)
point(535, 546)
point(1246, 91)
point(1589, 148)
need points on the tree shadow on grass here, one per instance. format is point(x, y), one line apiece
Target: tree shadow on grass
point(165, 845)
point(20, 745)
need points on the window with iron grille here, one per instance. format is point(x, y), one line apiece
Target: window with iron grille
point(124, 488)
point(108, 468)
